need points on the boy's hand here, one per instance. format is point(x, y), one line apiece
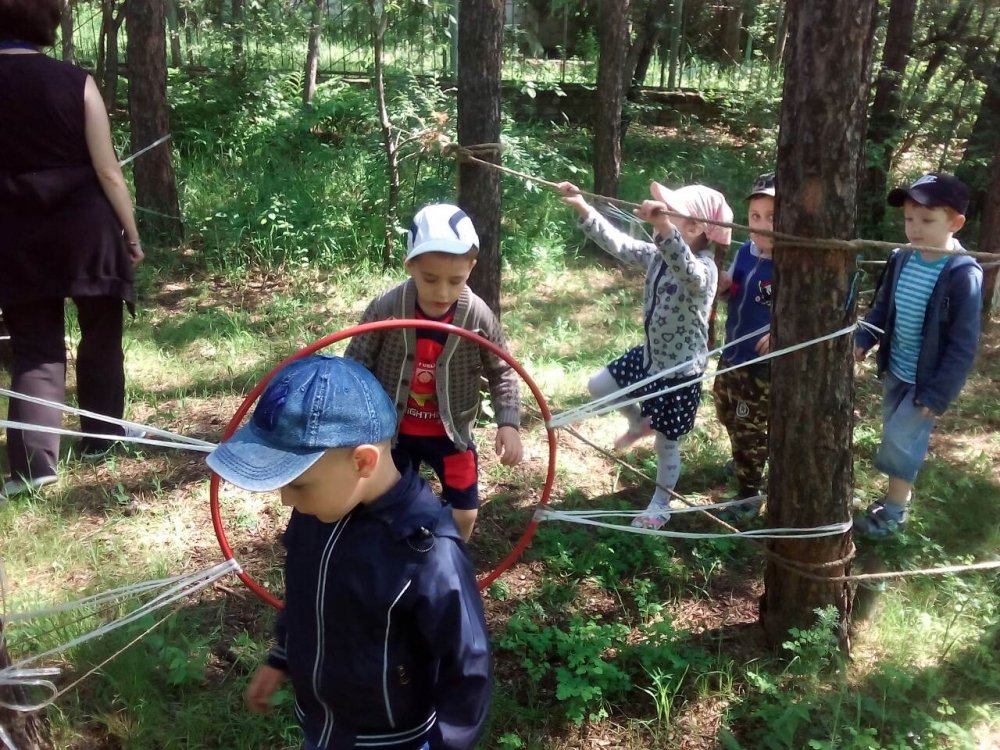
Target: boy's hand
point(265, 681)
point(508, 445)
point(763, 345)
point(859, 354)
point(725, 281)
point(654, 212)
point(571, 197)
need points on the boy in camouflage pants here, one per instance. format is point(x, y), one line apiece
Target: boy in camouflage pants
point(742, 396)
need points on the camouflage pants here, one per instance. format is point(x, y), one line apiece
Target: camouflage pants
point(741, 402)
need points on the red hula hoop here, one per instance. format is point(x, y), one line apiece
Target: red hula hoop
point(346, 333)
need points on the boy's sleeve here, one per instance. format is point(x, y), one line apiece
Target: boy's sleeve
point(277, 656)
point(366, 347)
point(863, 337)
point(695, 272)
point(449, 616)
point(614, 242)
point(505, 390)
point(959, 354)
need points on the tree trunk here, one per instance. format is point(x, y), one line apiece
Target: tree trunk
point(155, 184)
point(827, 66)
point(647, 38)
point(28, 731)
point(983, 143)
point(312, 52)
point(613, 41)
point(112, 17)
point(989, 236)
point(176, 58)
point(239, 32)
point(732, 26)
point(379, 22)
point(68, 47)
point(886, 116)
point(676, 24)
point(780, 37)
point(480, 50)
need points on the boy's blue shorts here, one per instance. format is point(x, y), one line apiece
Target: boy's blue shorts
point(311, 746)
point(905, 432)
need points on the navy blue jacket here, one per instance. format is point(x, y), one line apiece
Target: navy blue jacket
point(950, 332)
point(749, 306)
point(383, 634)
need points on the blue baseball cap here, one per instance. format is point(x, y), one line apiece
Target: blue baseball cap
point(933, 190)
point(311, 405)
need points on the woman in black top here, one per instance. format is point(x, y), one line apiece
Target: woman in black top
point(66, 230)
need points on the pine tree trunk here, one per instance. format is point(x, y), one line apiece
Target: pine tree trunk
point(480, 51)
point(113, 15)
point(312, 52)
point(983, 142)
point(239, 32)
point(648, 35)
point(989, 236)
point(176, 58)
point(28, 731)
point(676, 26)
point(827, 67)
point(612, 34)
point(155, 184)
point(379, 22)
point(66, 23)
point(732, 26)
point(886, 116)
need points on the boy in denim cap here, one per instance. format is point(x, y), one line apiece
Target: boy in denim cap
point(382, 633)
point(742, 396)
point(929, 307)
point(435, 379)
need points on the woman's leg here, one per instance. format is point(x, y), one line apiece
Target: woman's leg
point(100, 365)
point(37, 341)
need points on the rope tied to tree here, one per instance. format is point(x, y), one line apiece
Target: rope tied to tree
point(467, 154)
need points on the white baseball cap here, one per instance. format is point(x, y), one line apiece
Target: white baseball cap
point(440, 228)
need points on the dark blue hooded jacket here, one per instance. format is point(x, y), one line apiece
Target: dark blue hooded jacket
point(950, 331)
point(383, 634)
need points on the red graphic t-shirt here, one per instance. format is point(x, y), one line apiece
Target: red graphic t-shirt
point(422, 416)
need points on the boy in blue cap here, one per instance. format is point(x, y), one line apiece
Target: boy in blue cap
point(928, 307)
point(382, 633)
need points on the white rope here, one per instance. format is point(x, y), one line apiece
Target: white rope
point(177, 588)
point(6, 739)
point(104, 418)
point(4, 338)
point(28, 427)
point(679, 509)
point(560, 420)
point(814, 532)
point(141, 151)
point(593, 407)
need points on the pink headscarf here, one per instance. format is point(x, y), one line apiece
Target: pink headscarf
point(699, 202)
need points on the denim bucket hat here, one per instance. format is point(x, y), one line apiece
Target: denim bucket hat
point(311, 405)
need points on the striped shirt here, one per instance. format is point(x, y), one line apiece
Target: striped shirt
point(913, 291)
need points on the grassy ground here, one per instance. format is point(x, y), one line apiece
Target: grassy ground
point(602, 639)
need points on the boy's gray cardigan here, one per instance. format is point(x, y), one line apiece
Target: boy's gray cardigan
point(460, 369)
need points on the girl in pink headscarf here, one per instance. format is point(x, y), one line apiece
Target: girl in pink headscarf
point(681, 279)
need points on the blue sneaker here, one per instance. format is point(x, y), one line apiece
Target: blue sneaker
point(881, 519)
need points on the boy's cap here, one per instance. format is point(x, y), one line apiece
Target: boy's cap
point(441, 228)
point(763, 185)
point(312, 404)
point(700, 202)
point(933, 190)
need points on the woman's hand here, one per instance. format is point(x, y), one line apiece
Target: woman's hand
point(135, 253)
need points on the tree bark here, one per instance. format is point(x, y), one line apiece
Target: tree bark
point(612, 35)
point(886, 116)
point(28, 731)
point(480, 50)
point(239, 31)
point(176, 58)
point(827, 67)
point(379, 22)
point(983, 143)
point(989, 237)
point(68, 46)
point(647, 38)
point(312, 52)
point(155, 184)
point(112, 17)
point(731, 30)
point(676, 25)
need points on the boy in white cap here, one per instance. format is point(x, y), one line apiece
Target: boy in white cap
point(435, 378)
point(382, 633)
point(681, 279)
